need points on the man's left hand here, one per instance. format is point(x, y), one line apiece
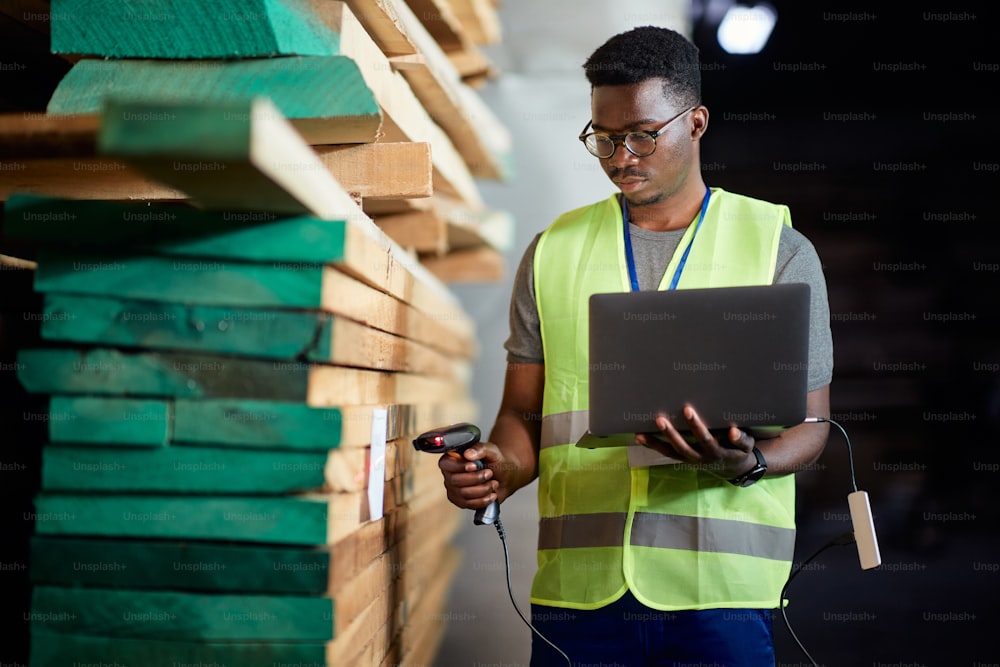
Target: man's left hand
point(727, 459)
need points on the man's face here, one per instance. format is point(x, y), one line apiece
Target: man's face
point(643, 106)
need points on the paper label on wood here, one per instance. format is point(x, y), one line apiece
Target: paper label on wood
point(376, 464)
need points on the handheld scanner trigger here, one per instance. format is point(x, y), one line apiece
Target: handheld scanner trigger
point(454, 438)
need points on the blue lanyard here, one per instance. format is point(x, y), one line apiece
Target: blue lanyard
point(630, 258)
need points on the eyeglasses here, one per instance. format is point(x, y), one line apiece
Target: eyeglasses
point(639, 143)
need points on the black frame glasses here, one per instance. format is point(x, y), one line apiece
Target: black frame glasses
point(590, 139)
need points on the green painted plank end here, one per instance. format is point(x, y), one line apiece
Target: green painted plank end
point(177, 279)
point(168, 564)
point(247, 423)
point(311, 87)
point(109, 420)
point(281, 520)
point(188, 29)
point(181, 616)
point(274, 334)
point(180, 469)
point(59, 650)
point(160, 374)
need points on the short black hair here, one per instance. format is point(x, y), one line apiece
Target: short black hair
point(648, 52)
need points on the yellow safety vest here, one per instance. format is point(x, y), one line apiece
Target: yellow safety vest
point(677, 537)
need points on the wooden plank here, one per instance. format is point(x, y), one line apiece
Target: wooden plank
point(9, 262)
point(349, 241)
point(469, 229)
point(241, 29)
point(291, 426)
point(425, 482)
point(414, 645)
point(181, 469)
point(324, 97)
point(274, 425)
point(372, 632)
point(374, 207)
point(482, 139)
point(183, 616)
point(473, 66)
point(479, 19)
point(268, 334)
point(58, 650)
point(428, 298)
point(493, 134)
point(39, 135)
point(424, 648)
point(206, 281)
point(283, 426)
point(262, 33)
point(286, 243)
point(449, 226)
point(184, 470)
point(213, 566)
point(72, 371)
point(306, 520)
point(381, 170)
point(84, 178)
point(241, 155)
point(405, 169)
point(441, 23)
point(216, 282)
point(355, 597)
point(369, 627)
point(420, 231)
point(406, 119)
point(377, 618)
point(375, 625)
point(115, 421)
point(265, 334)
point(381, 21)
point(482, 264)
point(220, 155)
point(172, 565)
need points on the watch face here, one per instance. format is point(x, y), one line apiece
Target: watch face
point(754, 475)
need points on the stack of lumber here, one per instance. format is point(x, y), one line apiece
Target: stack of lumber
point(241, 335)
point(231, 404)
point(365, 83)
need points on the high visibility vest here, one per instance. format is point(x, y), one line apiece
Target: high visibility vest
point(677, 537)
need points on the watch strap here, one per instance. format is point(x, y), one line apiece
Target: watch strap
point(754, 474)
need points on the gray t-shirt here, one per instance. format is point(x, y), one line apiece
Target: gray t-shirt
point(797, 263)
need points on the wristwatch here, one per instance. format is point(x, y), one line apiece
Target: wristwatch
point(748, 478)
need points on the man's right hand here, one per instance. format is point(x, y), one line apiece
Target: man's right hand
point(518, 427)
point(467, 487)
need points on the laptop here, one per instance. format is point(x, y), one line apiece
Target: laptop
point(739, 355)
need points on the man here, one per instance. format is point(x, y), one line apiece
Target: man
point(648, 564)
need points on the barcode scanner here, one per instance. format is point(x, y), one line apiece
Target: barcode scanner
point(453, 440)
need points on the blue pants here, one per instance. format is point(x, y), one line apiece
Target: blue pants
point(626, 633)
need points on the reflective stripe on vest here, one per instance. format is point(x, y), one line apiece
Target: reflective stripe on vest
point(564, 427)
point(572, 427)
point(678, 537)
point(666, 531)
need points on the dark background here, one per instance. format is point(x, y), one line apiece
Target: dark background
point(884, 145)
point(893, 176)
